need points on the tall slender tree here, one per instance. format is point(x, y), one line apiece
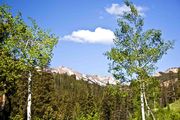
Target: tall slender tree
point(29, 44)
point(136, 51)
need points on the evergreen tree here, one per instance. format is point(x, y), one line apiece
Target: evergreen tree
point(108, 102)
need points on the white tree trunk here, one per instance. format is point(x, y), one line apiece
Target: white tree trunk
point(3, 101)
point(29, 97)
point(149, 109)
point(142, 103)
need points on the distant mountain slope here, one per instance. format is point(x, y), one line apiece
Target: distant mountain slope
point(171, 75)
point(168, 75)
point(100, 80)
point(170, 70)
point(169, 85)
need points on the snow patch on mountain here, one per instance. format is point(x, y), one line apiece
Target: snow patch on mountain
point(100, 80)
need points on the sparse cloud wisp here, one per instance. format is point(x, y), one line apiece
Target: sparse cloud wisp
point(118, 10)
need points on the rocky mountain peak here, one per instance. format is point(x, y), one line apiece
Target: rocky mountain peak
point(173, 70)
point(100, 80)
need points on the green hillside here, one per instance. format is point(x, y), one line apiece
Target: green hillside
point(175, 106)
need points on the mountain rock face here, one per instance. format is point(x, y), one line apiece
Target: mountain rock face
point(169, 77)
point(166, 76)
point(170, 70)
point(100, 80)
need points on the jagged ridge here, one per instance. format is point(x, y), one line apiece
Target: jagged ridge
point(100, 80)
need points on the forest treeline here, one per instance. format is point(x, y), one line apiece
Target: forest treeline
point(62, 97)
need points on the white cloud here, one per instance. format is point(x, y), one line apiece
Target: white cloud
point(100, 35)
point(118, 10)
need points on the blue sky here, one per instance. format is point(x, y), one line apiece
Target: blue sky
point(85, 28)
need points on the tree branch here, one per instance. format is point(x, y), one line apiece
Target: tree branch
point(149, 109)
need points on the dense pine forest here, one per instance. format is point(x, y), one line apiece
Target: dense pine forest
point(59, 96)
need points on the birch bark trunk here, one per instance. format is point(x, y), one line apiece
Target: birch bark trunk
point(149, 109)
point(142, 102)
point(3, 101)
point(29, 97)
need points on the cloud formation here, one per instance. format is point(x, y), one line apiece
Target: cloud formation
point(118, 10)
point(100, 35)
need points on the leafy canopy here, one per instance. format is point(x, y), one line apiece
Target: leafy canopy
point(29, 44)
point(21, 47)
point(135, 50)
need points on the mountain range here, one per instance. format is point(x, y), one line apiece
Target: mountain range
point(97, 79)
point(101, 80)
